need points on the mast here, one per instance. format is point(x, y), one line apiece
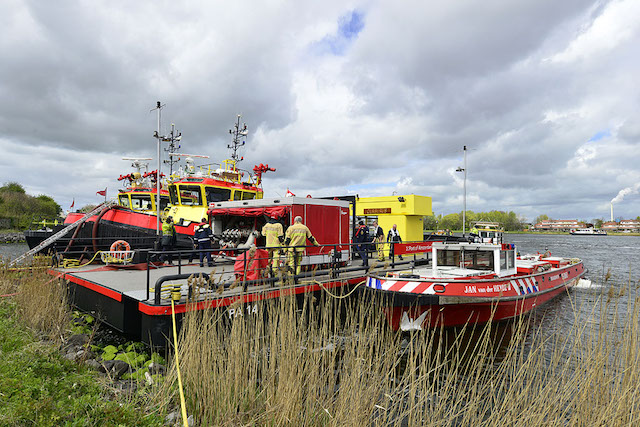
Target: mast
point(238, 133)
point(173, 137)
point(159, 138)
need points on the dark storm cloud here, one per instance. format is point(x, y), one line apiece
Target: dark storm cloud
point(367, 97)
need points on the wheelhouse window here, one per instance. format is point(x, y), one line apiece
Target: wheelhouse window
point(237, 195)
point(124, 200)
point(190, 195)
point(215, 194)
point(478, 260)
point(173, 195)
point(449, 258)
point(507, 260)
point(247, 195)
point(141, 202)
point(164, 201)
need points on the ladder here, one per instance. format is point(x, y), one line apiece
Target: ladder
point(101, 207)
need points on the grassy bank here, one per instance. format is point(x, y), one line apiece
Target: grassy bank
point(335, 362)
point(324, 367)
point(38, 386)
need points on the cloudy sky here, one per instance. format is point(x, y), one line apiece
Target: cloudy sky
point(341, 97)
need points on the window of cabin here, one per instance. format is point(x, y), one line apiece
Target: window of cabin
point(173, 195)
point(503, 260)
point(124, 200)
point(478, 260)
point(217, 194)
point(448, 258)
point(237, 195)
point(247, 195)
point(141, 202)
point(164, 201)
point(190, 195)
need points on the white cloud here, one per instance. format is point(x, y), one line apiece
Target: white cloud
point(388, 111)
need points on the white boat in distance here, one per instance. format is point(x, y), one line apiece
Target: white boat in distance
point(588, 232)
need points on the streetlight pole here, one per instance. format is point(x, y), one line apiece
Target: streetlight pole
point(464, 187)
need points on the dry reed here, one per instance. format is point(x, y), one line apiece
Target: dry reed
point(334, 362)
point(41, 299)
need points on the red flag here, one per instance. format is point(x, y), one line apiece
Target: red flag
point(289, 194)
point(72, 203)
point(102, 193)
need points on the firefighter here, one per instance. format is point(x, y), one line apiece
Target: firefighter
point(362, 239)
point(272, 230)
point(394, 237)
point(202, 236)
point(296, 237)
point(168, 239)
point(378, 239)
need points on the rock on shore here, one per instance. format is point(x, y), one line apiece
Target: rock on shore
point(11, 237)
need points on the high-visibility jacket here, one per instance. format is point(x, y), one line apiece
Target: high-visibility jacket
point(273, 232)
point(297, 235)
point(168, 229)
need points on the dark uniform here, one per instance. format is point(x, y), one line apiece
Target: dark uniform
point(393, 237)
point(362, 240)
point(202, 236)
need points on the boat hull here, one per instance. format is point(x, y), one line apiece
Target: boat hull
point(118, 223)
point(457, 303)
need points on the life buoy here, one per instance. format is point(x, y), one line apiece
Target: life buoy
point(119, 246)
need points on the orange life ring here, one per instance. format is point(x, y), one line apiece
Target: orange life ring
point(120, 245)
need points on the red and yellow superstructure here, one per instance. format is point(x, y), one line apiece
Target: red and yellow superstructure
point(193, 189)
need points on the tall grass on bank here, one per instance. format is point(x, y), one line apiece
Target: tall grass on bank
point(41, 299)
point(37, 385)
point(334, 362)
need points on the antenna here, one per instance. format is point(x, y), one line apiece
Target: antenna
point(187, 155)
point(172, 139)
point(238, 133)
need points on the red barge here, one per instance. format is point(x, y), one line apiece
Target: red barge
point(469, 283)
point(136, 298)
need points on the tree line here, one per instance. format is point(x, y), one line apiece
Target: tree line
point(509, 220)
point(18, 209)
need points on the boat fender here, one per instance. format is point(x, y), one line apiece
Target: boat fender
point(439, 287)
point(120, 245)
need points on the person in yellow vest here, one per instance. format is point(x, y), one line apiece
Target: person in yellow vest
point(274, 236)
point(378, 239)
point(168, 239)
point(297, 236)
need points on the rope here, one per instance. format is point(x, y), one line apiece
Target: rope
point(27, 268)
point(75, 263)
point(338, 296)
point(183, 406)
point(9, 295)
point(16, 293)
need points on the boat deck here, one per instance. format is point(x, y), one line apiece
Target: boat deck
point(125, 297)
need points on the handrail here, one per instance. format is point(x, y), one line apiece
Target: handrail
point(334, 270)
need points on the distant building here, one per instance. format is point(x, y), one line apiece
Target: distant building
point(625, 225)
point(558, 225)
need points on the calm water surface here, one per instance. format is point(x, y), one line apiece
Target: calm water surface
point(12, 250)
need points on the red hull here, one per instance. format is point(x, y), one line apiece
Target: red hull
point(456, 303)
point(129, 218)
